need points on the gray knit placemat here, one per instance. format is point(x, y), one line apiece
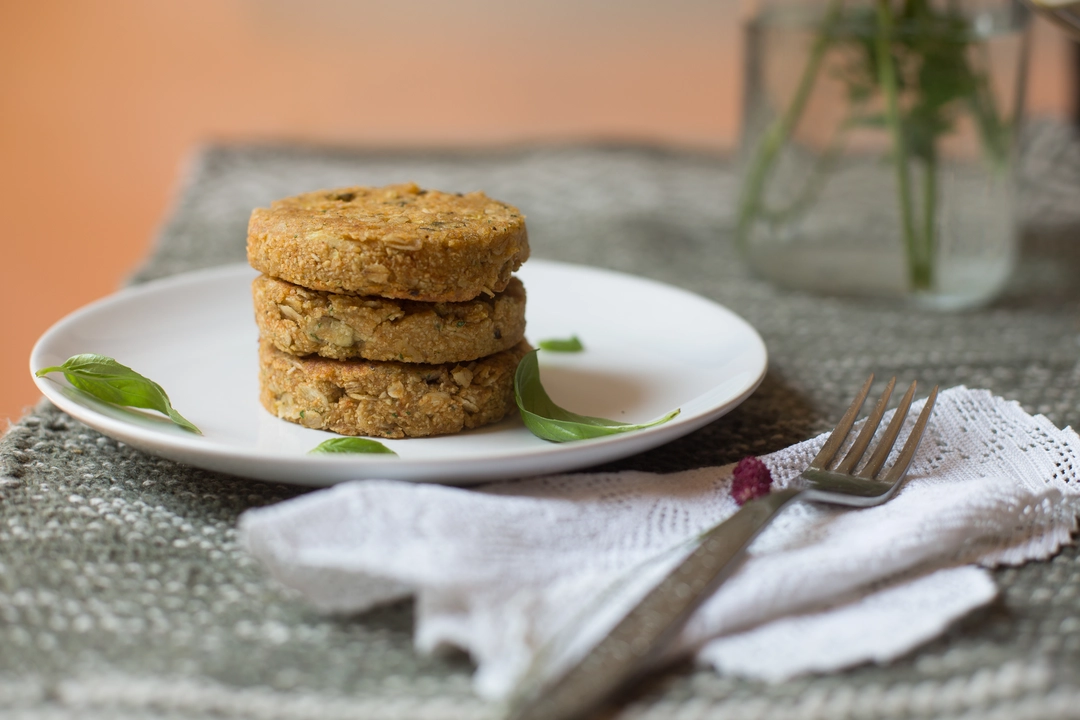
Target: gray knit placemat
point(123, 593)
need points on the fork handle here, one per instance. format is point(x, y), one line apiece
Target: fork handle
point(637, 642)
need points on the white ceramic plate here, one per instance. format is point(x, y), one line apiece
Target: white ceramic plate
point(649, 348)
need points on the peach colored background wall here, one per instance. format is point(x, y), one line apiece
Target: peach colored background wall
point(102, 101)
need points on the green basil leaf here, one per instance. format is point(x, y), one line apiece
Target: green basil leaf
point(571, 344)
point(351, 445)
point(117, 384)
point(547, 420)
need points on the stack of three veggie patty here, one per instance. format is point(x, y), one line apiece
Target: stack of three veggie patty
point(388, 311)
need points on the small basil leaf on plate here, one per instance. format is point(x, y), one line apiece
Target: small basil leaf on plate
point(351, 445)
point(571, 344)
point(547, 420)
point(116, 384)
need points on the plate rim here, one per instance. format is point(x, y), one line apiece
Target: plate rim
point(177, 447)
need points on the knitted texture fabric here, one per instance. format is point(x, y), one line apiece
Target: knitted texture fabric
point(544, 567)
point(124, 593)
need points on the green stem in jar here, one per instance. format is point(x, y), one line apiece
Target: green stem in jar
point(922, 272)
point(888, 81)
point(777, 133)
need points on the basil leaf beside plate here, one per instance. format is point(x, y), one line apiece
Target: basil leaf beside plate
point(350, 445)
point(571, 344)
point(547, 420)
point(109, 381)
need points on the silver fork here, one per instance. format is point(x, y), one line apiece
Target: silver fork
point(637, 642)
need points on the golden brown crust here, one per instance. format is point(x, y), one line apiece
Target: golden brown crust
point(388, 399)
point(306, 322)
point(397, 241)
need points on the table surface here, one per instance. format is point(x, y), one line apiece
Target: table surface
point(123, 592)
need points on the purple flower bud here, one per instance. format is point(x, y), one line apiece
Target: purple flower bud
point(750, 479)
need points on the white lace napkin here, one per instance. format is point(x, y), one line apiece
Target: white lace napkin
point(498, 571)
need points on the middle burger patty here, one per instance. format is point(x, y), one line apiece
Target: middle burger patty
point(300, 321)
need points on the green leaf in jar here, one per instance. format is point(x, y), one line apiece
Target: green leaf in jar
point(547, 420)
point(116, 384)
point(350, 445)
point(571, 344)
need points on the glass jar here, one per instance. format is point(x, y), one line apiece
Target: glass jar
point(878, 147)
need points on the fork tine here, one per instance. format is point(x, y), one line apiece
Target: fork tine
point(881, 452)
point(912, 444)
point(836, 439)
point(855, 454)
